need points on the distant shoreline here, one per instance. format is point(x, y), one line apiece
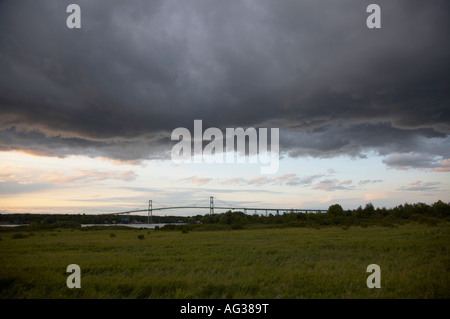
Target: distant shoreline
point(148, 226)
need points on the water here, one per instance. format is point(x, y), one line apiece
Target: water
point(147, 226)
point(8, 225)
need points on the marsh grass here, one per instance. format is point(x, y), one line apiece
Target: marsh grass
point(329, 262)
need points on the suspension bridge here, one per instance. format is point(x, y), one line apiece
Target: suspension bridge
point(222, 206)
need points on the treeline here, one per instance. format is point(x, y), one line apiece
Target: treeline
point(336, 215)
point(84, 219)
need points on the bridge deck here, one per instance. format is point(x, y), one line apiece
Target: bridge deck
point(219, 207)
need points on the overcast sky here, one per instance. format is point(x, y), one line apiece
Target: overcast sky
point(364, 114)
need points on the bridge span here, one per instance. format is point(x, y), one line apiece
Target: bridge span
point(211, 208)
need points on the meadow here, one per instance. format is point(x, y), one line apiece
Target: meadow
point(255, 262)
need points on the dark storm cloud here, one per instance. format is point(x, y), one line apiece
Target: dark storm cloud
point(405, 161)
point(136, 70)
point(358, 139)
point(124, 150)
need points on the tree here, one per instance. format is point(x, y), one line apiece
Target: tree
point(369, 210)
point(336, 210)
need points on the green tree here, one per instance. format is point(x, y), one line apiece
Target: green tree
point(336, 210)
point(369, 210)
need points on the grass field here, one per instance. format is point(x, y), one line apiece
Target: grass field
point(329, 262)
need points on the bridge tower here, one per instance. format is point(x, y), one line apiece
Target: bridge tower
point(211, 205)
point(150, 212)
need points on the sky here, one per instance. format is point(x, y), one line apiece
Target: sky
point(87, 114)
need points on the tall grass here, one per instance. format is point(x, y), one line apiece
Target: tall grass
point(328, 262)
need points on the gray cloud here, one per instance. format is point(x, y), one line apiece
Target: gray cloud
point(88, 176)
point(405, 161)
point(286, 179)
point(197, 180)
point(369, 181)
point(11, 183)
point(136, 70)
point(357, 140)
point(330, 185)
point(9, 188)
point(420, 186)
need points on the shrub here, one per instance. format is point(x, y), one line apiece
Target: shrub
point(38, 226)
point(112, 235)
point(169, 227)
point(432, 221)
point(19, 235)
point(67, 224)
point(140, 237)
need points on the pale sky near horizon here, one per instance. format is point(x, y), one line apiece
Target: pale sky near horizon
point(86, 115)
point(78, 184)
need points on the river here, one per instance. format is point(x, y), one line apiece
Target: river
point(147, 226)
